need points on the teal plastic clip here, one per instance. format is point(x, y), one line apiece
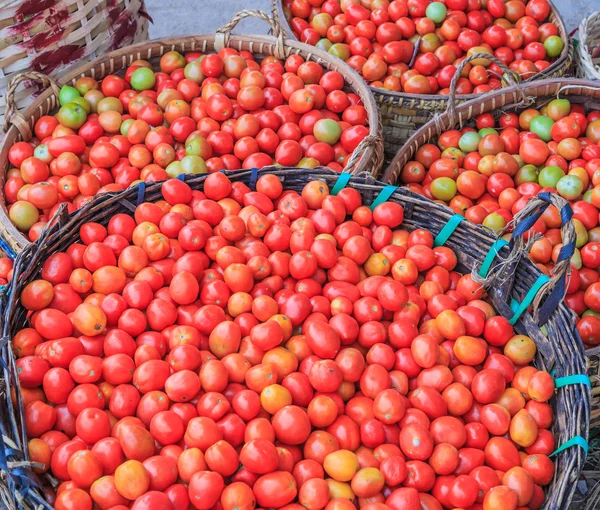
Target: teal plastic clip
point(559, 382)
point(341, 183)
point(448, 230)
point(519, 308)
point(491, 255)
point(575, 441)
point(386, 193)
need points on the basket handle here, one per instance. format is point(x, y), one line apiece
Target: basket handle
point(369, 144)
point(12, 114)
point(551, 292)
point(223, 34)
point(510, 76)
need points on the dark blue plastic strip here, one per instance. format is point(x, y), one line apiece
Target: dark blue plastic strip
point(253, 178)
point(141, 192)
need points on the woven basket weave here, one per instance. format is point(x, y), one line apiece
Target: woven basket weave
point(366, 158)
point(50, 35)
point(402, 114)
point(588, 49)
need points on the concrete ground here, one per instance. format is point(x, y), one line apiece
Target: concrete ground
point(180, 17)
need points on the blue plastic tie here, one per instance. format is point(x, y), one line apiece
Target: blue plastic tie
point(384, 195)
point(448, 230)
point(575, 441)
point(559, 382)
point(7, 249)
point(519, 308)
point(341, 183)
point(253, 178)
point(141, 192)
point(181, 177)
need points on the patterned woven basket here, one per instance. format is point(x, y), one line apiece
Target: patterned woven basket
point(588, 49)
point(50, 35)
point(402, 114)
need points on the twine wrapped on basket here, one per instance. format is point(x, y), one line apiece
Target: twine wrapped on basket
point(49, 36)
point(588, 49)
point(558, 347)
point(367, 157)
point(402, 114)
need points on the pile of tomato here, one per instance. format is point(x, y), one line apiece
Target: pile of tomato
point(378, 38)
point(235, 349)
point(489, 173)
point(198, 113)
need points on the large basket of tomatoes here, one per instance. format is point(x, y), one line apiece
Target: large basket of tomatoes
point(408, 51)
point(50, 36)
point(260, 338)
point(187, 104)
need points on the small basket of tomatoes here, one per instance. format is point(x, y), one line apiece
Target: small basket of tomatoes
point(265, 338)
point(408, 50)
point(588, 49)
point(188, 104)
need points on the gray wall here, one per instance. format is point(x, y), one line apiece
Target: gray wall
point(180, 17)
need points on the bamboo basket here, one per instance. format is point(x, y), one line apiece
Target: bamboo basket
point(402, 114)
point(49, 36)
point(560, 349)
point(367, 157)
point(588, 49)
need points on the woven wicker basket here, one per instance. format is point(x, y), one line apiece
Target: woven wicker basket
point(49, 36)
point(366, 158)
point(588, 49)
point(471, 243)
point(402, 114)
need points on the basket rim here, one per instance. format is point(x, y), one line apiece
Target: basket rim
point(386, 96)
point(122, 57)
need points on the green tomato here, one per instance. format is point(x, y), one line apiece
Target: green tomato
point(576, 259)
point(125, 125)
point(198, 147)
point(494, 222)
point(554, 46)
point(324, 44)
point(327, 130)
point(436, 12)
point(528, 173)
point(581, 233)
point(24, 215)
point(308, 163)
point(590, 313)
point(143, 78)
point(469, 141)
point(340, 50)
point(519, 160)
point(487, 131)
point(193, 71)
point(569, 187)
point(174, 169)
point(541, 126)
point(587, 196)
point(67, 94)
point(42, 153)
point(192, 165)
point(84, 103)
point(72, 116)
point(443, 188)
point(550, 175)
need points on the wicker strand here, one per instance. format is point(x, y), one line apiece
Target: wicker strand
point(223, 34)
point(587, 50)
point(510, 76)
point(12, 114)
point(376, 142)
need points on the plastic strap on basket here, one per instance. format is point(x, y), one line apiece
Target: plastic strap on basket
point(141, 192)
point(253, 178)
point(341, 183)
point(560, 382)
point(519, 308)
point(574, 441)
point(181, 177)
point(491, 255)
point(448, 230)
point(8, 249)
point(383, 196)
